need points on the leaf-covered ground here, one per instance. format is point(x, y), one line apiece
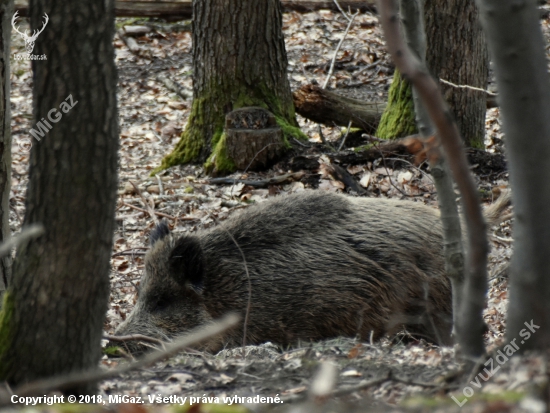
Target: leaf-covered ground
point(395, 374)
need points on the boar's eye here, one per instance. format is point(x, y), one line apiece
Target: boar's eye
point(161, 303)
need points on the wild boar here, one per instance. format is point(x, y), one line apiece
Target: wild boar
point(318, 265)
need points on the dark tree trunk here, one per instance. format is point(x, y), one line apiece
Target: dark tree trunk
point(6, 11)
point(457, 53)
point(239, 60)
point(517, 48)
point(54, 310)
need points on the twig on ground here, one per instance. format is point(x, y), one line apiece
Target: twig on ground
point(506, 241)
point(364, 69)
point(345, 137)
point(341, 174)
point(135, 337)
point(257, 184)
point(411, 165)
point(171, 85)
point(131, 251)
point(160, 214)
point(391, 180)
point(300, 143)
point(344, 390)
point(132, 45)
point(161, 187)
point(333, 62)
point(150, 210)
point(371, 138)
point(361, 386)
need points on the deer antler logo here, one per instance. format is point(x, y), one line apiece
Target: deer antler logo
point(29, 40)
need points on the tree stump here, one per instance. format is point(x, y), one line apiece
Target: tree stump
point(253, 138)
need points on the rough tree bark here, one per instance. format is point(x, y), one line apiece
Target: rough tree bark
point(6, 12)
point(239, 60)
point(457, 53)
point(517, 49)
point(53, 313)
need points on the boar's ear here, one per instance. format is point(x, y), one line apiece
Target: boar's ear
point(186, 263)
point(160, 231)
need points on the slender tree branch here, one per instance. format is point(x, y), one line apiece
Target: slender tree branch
point(26, 234)
point(477, 89)
point(470, 317)
point(342, 10)
point(412, 16)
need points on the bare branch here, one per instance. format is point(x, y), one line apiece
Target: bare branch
point(150, 212)
point(134, 337)
point(342, 10)
point(26, 234)
point(470, 316)
point(477, 89)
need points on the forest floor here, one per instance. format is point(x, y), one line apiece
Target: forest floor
point(391, 375)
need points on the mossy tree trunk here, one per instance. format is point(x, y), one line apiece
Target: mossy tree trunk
point(53, 314)
point(398, 119)
point(6, 12)
point(239, 60)
point(457, 52)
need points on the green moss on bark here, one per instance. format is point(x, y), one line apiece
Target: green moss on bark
point(192, 141)
point(290, 131)
point(201, 138)
point(398, 118)
point(219, 162)
point(6, 333)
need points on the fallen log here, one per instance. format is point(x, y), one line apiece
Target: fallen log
point(380, 149)
point(395, 152)
point(173, 10)
point(329, 108)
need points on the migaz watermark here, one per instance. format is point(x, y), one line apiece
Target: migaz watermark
point(43, 126)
